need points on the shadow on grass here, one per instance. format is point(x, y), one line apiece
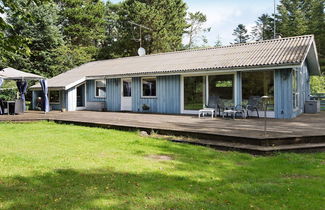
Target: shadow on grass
point(66, 189)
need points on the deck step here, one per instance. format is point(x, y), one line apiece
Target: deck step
point(256, 148)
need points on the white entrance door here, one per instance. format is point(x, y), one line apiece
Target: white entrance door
point(126, 94)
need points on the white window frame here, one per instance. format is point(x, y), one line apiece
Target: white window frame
point(100, 80)
point(143, 78)
point(206, 92)
point(59, 102)
point(295, 95)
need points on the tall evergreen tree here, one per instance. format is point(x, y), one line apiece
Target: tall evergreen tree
point(263, 29)
point(299, 17)
point(45, 39)
point(292, 18)
point(82, 21)
point(165, 18)
point(241, 34)
point(83, 27)
point(109, 48)
point(14, 42)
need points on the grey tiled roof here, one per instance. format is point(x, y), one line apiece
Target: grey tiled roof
point(269, 53)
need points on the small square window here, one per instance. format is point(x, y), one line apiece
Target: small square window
point(100, 88)
point(149, 87)
point(54, 97)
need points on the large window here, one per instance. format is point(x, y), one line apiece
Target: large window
point(194, 92)
point(149, 87)
point(258, 83)
point(100, 88)
point(295, 94)
point(54, 97)
point(222, 86)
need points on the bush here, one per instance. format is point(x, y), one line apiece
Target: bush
point(8, 94)
point(317, 84)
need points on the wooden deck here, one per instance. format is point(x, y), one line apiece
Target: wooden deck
point(306, 131)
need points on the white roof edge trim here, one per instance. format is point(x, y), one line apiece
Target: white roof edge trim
point(306, 55)
point(316, 57)
point(75, 83)
point(50, 88)
point(311, 46)
point(21, 78)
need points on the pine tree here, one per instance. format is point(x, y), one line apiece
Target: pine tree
point(44, 39)
point(241, 34)
point(82, 21)
point(83, 27)
point(165, 18)
point(263, 29)
point(299, 17)
point(14, 42)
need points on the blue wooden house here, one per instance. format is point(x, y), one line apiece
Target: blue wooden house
point(181, 82)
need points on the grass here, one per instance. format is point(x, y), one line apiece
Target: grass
point(50, 166)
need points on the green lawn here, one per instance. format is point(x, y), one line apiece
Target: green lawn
point(46, 165)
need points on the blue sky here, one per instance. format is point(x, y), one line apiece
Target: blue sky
point(224, 15)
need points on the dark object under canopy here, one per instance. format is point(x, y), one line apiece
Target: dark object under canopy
point(21, 78)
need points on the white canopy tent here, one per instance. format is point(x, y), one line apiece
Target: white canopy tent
point(21, 78)
point(14, 74)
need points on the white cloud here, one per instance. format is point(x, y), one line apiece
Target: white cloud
point(224, 17)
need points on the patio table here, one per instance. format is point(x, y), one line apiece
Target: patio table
point(229, 111)
point(207, 111)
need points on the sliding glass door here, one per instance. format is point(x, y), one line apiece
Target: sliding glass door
point(198, 90)
point(194, 92)
point(222, 86)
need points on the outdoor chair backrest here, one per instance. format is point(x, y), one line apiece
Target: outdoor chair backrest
point(254, 102)
point(213, 101)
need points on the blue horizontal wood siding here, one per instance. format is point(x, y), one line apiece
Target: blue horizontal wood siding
point(113, 91)
point(168, 96)
point(91, 92)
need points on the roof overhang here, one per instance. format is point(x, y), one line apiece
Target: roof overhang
point(71, 85)
point(191, 71)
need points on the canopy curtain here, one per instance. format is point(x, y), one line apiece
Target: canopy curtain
point(46, 105)
point(1, 82)
point(22, 89)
